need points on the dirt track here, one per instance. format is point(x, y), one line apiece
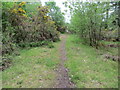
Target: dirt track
point(63, 78)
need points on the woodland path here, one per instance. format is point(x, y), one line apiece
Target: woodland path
point(63, 80)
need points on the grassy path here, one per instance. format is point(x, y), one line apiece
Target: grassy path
point(36, 67)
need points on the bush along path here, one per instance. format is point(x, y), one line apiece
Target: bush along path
point(63, 80)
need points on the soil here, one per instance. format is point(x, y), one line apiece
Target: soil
point(63, 80)
point(113, 45)
point(114, 58)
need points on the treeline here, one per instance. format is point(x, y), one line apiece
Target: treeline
point(29, 24)
point(94, 21)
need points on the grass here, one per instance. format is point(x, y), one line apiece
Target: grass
point(34, 68)
point(110, 42)
point(88, 69)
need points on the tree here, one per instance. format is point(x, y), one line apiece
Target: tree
point(56, 15)
point(89, 20)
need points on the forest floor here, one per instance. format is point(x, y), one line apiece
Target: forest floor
point(69, 61)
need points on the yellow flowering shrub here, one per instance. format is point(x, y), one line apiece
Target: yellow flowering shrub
point(31, 30)
point(22, 3)
point(14, 11)
point(21, 10)
point(43, 10)
point(45, 16)
point(18, 10)
point(24, 15)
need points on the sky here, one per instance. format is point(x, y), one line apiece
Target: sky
point(59, 4)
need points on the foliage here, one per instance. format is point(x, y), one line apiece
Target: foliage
point(7, 29)
point(24, 29)
point(90, 19)
point(56, 15)
point(31, 8)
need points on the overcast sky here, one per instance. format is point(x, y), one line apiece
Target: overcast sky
point(59, 4)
